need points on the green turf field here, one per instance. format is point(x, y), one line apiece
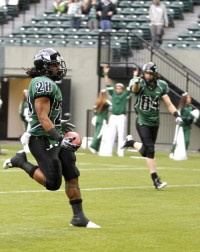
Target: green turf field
point(118, 195)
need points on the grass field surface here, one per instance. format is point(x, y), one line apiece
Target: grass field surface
point(117, 194)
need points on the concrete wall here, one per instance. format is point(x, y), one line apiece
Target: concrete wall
point(81, 64)
point(189, 58)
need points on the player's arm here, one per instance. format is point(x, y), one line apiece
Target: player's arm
point(134, 84)
point(172, 109)
point(106, 70)
point(42, 107)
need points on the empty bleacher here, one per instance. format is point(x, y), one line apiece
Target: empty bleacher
point(132, 17)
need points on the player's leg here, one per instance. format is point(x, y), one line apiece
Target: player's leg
point(112, 134)
point(148, 137)
point(20, 161)
point(48, 171)
point(72, 189)
point(48, 161)
point(95, 145)
point(186, 131)
point(121, 127)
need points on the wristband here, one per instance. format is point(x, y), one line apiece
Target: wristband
point(55, 135)
point(105, 74)
point(176, 114)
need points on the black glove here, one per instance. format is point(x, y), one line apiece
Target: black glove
point(128, 142)
point(67, 126)
point(67, 143)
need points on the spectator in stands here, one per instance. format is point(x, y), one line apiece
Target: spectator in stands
point(85, 7)
point(117, 120)
point(59, 6)
point(158, 20)
point(106, 9)
point(93, 20)
point(75, 11)
point(101, 108)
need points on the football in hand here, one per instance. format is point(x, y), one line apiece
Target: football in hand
point(77, 140)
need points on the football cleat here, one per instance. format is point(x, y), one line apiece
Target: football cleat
point(158, 184)
point(92, 225)
point(89, 225)
point(128, 142)
point(15, 161)
point(92, 150)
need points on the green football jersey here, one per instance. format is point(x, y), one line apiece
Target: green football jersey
point(147, 105)
point(119, 101)
point(186, 115)
point(40, 87)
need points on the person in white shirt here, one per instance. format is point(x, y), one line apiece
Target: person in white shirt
point(158, 20)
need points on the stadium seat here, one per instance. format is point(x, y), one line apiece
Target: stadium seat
point(177, 9)
point(94, 32)
point(82, 31)
point(88, 43)
point(141, 11)
point(196, 35)
point(119, 25)
point(73, 43)
point(117, 17)
point(194, 27)
point(10, 41)
point(182, 45)
point(41, 24)
point(143, 18)
point(57, 31)
point(138, 4)
point(130, 18)
point(188, 5)
point(12, 8)
point(185, 34)
point(68, 31)
point(60, 42)
point(124, 4)
point(132, 25)
point(44, 31)
point(127, 11)
point(194, 45)
point(24, 5)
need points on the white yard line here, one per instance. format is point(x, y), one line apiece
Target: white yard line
point(117, 168)
point(97, 189)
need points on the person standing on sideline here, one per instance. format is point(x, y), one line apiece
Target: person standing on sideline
point(185, 108)
point(149, 90)
point(117, 120)
point(158, 20)
point(101, 108)
point(1, 152)
point(23, 109)
point(54, 153)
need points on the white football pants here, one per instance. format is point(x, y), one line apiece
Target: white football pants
point(117, 129)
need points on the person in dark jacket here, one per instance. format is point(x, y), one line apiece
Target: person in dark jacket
point(106, 10)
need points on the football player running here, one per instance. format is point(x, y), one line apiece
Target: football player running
point(149, 90)
point(54, 154)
